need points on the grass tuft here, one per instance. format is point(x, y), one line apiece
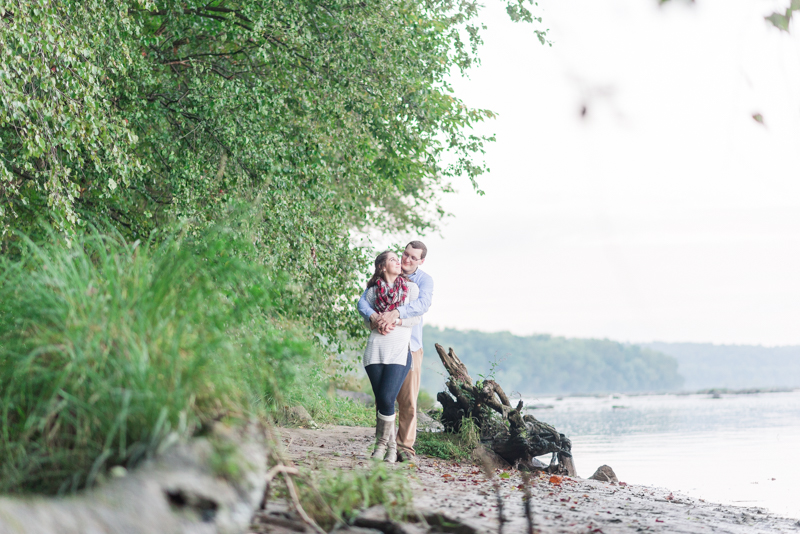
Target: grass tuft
point(109, 349)
point(336, 496)
point(457, 447)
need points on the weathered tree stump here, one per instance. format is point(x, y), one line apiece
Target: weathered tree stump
point(503, 428)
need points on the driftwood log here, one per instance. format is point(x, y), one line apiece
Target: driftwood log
point(516, 438)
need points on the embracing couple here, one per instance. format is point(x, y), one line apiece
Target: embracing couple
point(397, 296)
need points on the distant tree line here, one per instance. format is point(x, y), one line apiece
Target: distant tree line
point(542, 364)
point(706, 365)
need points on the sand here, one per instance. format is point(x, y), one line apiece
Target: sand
point(559, 505)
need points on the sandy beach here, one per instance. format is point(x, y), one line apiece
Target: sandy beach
point(560, 505)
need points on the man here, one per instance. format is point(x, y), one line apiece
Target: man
point(413, 257)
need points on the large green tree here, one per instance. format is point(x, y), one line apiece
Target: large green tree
point(329, 116)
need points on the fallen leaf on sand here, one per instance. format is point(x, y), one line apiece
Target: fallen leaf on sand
point(555, 479)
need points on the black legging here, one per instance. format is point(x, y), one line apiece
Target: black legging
point(386, 380)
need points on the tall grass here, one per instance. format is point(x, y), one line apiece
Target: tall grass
point(110, 349)
point(458, 447)
point(318, 396)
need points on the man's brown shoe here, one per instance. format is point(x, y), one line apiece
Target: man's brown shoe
point(404, 455)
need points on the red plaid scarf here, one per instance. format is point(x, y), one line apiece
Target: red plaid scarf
point(388, 298)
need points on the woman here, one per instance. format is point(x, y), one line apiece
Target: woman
point(387, 358)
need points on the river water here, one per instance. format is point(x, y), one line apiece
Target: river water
point(741, 449)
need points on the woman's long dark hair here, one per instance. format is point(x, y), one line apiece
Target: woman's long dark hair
point(380, 267)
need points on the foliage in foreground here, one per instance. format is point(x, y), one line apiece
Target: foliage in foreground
point(109, 349)
point(336, 496)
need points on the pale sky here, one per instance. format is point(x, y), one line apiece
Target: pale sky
point(667, 213)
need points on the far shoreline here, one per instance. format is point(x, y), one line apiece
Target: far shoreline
point(705, 391)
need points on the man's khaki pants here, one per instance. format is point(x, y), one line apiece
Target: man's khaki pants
point(407, 405)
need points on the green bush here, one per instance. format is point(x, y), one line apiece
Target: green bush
point(108, 348)
point(425, 401)
point(338, 411)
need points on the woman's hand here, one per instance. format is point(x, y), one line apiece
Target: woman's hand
point(386, 329)
point(385, 322)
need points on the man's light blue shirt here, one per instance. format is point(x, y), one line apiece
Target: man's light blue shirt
point(414, 309)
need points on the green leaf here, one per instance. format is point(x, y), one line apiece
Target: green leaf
point(780, 21)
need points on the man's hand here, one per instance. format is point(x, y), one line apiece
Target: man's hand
point(374, 320)
point(390, 317)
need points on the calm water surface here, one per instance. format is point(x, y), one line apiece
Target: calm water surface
point(737, 449)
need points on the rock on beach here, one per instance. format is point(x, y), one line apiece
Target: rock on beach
point(604, 473)
point(175, 493)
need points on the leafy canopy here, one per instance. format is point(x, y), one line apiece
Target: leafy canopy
point(331, 116)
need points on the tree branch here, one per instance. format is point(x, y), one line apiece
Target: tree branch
point(228, 10)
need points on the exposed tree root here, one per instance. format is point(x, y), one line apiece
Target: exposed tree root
point(514, 437)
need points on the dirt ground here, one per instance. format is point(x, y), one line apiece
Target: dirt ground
point(568, 505)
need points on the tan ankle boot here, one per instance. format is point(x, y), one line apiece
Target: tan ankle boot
point(391, 448)
point(384, 430)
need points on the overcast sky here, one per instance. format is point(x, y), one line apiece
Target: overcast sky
point(666, 213)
